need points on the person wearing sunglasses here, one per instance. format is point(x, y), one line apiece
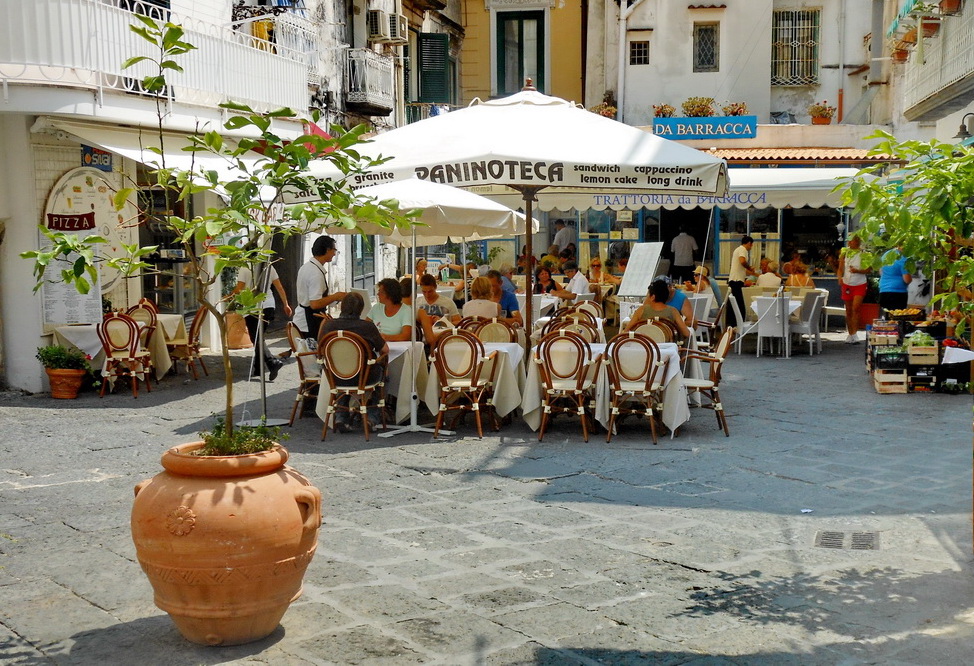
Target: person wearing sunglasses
point(597, 275)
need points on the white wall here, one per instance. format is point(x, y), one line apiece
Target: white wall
point(211, 11)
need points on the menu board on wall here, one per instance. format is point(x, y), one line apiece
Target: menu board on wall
point(80, 203)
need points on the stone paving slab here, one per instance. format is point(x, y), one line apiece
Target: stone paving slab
point(507, 550)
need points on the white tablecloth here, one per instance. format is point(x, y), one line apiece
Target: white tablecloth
point(755, 304)
point(85, 338)
point(542, 303)
point(398, 383)
point(509, 382)
point(676, 411)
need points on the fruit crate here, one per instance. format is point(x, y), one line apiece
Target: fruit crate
point(924, 355)
point(884, 338)
point(922, 384)
point(890, 381)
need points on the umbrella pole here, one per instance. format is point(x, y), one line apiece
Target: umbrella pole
point(530, 195)
point(413, 425)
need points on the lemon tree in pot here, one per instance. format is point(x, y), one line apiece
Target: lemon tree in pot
point(66, 369)
point(226, 531)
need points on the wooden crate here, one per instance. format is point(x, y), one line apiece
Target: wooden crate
point(890, 381)
point(924, 355)
point(880, 339)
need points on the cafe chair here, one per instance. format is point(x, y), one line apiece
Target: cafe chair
point(124, 356)
point(466, 375)
point(309, 372)
point(636, 370)
point(654, 330)
point(591, 307)
point(809, 322)
point(494, 330)
point(354, 371)
point(145, 316)
point(773, 324)
point(471, 324)
point(188, 350)
point(744, 327)
point(710, 387)
point(149, 303)
point(568, 377)
point(706, 331)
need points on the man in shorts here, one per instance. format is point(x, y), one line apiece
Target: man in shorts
point(853, 284)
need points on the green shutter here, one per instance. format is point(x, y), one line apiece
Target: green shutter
point(434, 68)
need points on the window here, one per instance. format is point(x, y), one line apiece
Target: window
point(638, 53)
point(434, 68)
point(520, 50)
point(706, 47)
point(794, 47)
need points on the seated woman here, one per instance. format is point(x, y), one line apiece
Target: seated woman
point(799, 277)
point(551, 260)
point(406, 289)
point(701, 281)
point(350, 319)
point(543, 284)
point(394, 320)
point(655, 307)
point(481, 304)
point(599, 276)
point(769, 277)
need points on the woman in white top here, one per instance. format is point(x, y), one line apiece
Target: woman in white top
point(480, 304)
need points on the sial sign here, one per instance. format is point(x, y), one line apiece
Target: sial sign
point(93, 157)
point(718, 127)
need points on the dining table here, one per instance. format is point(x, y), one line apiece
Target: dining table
point(676, 410)
point(399, 381)
point(85, 338)
point(771, 324)
point(508, 383)
point(542, 303)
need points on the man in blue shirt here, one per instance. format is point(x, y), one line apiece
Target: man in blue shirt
point(893, 280)
point(510, 310)
point(507, 285)
point(678, 299)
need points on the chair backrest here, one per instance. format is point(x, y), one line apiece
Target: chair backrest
point(496, 331)
point(149, 303)
point(772, 317)
point(345, 356)
point(808, 305)
point(563, 355)
point(145, 317)
point(652, 330)
point(196, 326)
point(471, 323)
point(591, 307)
point(587, 296)
point(118, 333)
point(674, 332)
point(582, 328)
point(701, 307)
point(458, 354)
point(633, 358)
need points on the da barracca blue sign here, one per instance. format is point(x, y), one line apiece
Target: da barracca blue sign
point(718, 127)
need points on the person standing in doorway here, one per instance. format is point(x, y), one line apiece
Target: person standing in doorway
point(266, 276)
point(853, 277)
point(739, 270)
point(683, 247)
point(313, 291)
point(563, 235)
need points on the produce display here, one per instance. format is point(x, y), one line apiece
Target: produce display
point(919, 339)
point(905, 312)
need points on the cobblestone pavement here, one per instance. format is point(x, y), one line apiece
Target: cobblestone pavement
point(701, 550)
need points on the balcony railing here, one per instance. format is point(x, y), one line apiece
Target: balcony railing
point(369, 82)
point(938, 63)
point(84, 42)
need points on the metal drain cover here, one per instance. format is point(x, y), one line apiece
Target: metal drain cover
point(847, 540)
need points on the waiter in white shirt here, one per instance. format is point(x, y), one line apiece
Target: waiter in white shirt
point(563, 235)
point(683, 247)
point(312, 288)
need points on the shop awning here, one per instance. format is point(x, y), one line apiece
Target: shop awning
point(141, 144)
point(758, 188)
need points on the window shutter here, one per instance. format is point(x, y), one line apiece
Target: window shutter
point(434, 68)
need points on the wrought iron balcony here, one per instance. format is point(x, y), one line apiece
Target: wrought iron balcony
point(369, 82)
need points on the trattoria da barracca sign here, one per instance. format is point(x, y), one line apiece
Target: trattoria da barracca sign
point(720, 127)
point(559, 174)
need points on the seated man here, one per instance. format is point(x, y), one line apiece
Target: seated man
point(577, 283)
point(507, 271)
point(350, 319)
point(431, 302)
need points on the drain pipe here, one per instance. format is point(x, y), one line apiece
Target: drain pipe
point(624, 14)
point(841, 102)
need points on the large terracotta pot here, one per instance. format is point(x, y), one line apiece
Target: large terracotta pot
point(237, 335)
point(949, 7)
point(225, 541)
point(65, 382)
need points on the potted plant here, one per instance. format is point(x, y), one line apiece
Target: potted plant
point(226, 531)
point(950, 7)
point(821, 113)
point(698, 107)
point(604, 109)
point(900, 55)
point(735, 109)
point(66, 369)
point(663, 111)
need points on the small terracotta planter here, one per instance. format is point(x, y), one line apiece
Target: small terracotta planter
point(225, 541)
point(931, 26)
point(821, 120)
point(900, 56)
point(910, 36)
point(237, 335)
point(950, 7)
point(65, 383)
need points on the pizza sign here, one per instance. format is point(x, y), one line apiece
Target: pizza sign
point(70, 222)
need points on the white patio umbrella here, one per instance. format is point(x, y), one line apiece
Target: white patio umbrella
point(532, 142)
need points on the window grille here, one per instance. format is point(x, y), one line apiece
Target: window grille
point(638, 53)
point(706, 47)
point(795, 43)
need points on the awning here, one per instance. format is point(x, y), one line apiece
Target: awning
point(142, 145)
point(905, 10)
point(758, 188)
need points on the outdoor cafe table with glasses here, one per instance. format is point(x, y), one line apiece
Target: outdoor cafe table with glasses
point(84, 337)
point(398, 383)
point(508, 385)
point(676, 411)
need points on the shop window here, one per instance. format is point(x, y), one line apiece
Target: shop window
point(639, 53)
point(706, 47)
point(363, 261)
point(795, 36)
point(520, 50)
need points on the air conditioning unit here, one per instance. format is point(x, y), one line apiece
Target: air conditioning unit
point(377, 23)
point(398, 29)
